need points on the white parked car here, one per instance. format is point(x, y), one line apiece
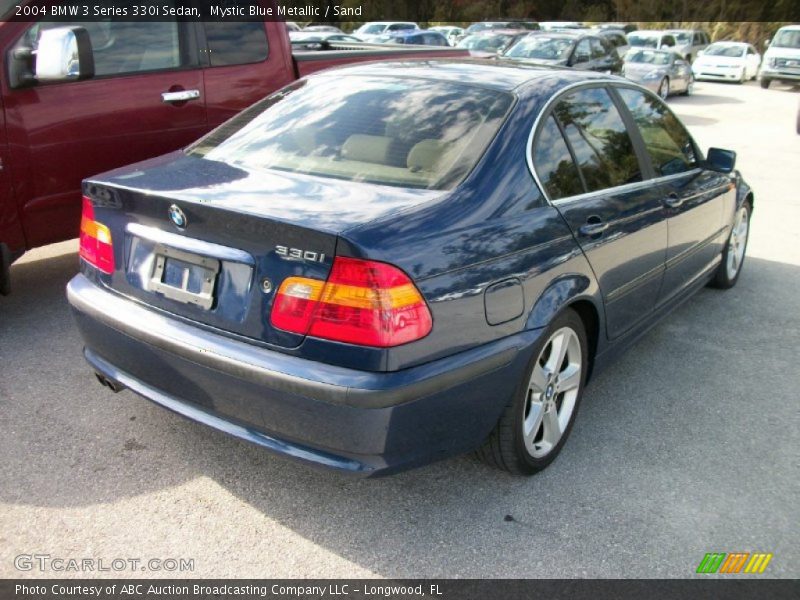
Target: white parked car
point(727, 61)
point(369, 31)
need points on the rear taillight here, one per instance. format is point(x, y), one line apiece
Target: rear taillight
point(363, 302)
point(95, 244)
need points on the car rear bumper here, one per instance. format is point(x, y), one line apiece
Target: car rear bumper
point(359, 422)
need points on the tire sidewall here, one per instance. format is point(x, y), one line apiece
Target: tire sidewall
point(726, 281)
point(567, 318)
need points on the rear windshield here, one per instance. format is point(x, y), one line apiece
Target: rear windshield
point(406, 133)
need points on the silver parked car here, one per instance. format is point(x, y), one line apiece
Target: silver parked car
point(662, 71)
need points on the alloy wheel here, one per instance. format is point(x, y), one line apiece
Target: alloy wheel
point(737, 242)
point(552, 392)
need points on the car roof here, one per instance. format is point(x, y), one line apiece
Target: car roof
point(650, 32)
point(487, 73)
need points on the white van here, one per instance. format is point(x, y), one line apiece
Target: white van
point(782, 58)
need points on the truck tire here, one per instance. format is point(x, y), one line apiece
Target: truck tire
point(5, 270)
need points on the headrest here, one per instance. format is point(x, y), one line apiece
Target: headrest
point(426, 154)
point(367, 148)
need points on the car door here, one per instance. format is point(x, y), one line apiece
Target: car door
point(240, 67)
point(591, 172)
point(693, 198)
point(10, 227)
point(135, 107)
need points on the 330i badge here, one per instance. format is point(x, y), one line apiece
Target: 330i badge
point(388, 264)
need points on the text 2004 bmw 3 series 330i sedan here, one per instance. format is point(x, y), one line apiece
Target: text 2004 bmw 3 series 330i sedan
point(388, 264)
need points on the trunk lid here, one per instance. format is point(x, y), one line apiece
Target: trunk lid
point(211, 242)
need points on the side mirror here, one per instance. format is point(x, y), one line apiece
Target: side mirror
point(721, 160)
point(64, 54)
point(766, 44)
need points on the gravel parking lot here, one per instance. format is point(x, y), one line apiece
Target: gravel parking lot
point(689, 444)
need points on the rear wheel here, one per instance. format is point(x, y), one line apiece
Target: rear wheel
point(537, 422)
point(663, 89)
point(733, 257)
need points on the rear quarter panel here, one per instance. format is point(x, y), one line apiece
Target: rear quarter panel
point(495, 227)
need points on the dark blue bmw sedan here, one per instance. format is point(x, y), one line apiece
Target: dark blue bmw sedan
point(388, 264)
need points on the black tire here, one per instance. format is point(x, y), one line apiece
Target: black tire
point(765, 82)
point(661, 85)
point(5, 270)
point(722, 279)
point(505, 447)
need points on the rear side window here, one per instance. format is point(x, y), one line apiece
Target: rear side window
point(236, 43)
point(667, 142)
point(553, 163)
point(400, 132)
point(599, 139)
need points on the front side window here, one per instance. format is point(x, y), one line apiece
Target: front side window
point(597, 49)
point(399, 132)
point(125, 47)
point(236, 43)
point(668, 144)
point(599, 139)
point(583, 52)
point(553, 163)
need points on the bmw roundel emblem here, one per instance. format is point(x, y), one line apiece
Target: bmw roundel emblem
point(177, 216)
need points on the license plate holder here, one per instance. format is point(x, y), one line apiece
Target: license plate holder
point(183, 276)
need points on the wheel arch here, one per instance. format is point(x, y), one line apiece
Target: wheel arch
point(578, 292)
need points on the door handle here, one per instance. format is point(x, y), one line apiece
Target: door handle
point(180, 96)
point(593, 228)
point(673, 200)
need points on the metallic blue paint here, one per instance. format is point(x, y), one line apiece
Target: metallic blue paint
point(372, 411)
